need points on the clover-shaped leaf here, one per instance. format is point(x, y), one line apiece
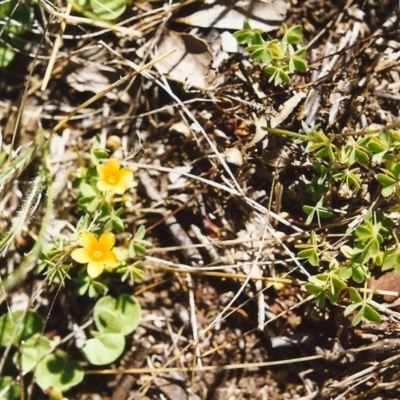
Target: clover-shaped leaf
point(294, 34)
point(56, 371)
point(310, 250)
point(365, 308)
point(33, 350)
point(19, 326)
point(246, 35)
point(260, 50)
point(126, 309)
point(278, 74)
point(104, 348)
point(297, 60)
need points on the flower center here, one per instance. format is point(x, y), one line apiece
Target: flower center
point(97, 254)
point(112, 179)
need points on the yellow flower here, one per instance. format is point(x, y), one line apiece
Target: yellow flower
point(96, 253)
point(112, 177)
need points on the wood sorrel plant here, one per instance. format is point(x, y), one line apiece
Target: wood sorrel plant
point(280, 57)
point(88, 258)
point(347, 162)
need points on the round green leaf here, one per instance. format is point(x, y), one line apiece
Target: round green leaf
point(126, 308)
point(58, 372)
point(11, 326)
point(33, 351)
point(105, 348)
point(108, 322)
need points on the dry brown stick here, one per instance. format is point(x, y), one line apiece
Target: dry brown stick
point(137, 358)
point(56, 48)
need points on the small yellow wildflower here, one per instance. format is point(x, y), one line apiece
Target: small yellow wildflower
point(96, 253)
point(112, 177)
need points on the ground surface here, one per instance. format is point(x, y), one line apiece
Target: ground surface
point(199, 155)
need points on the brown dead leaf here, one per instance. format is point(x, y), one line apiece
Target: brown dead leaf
point(190, 63)
point(260, 14)
point(91, 79)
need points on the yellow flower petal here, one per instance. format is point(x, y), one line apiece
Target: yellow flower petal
point(95, 269)
point(120, 187)
point(80, 255)
point(88, 240)
point(103, 186)
point(111, 177)
point(97, 253)
point(113, 164)
point(101, 168)
point(106, 241)
point(111, 260)
point(126, 174)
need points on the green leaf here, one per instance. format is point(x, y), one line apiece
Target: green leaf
point(58, 372)
point(107, 321)
point(354, 295)
point(351, 308)
point(283, 76)
point(6, 56)
point(260, 51)
point(361, 155)
point(396, 171)
point(338, 283)
point(18, 14)
point(391, 259)
point(311, 255)
point(357, 274)
point(86, 190)
point(9, 388)
point(104, 349)
point(294, 35)
point(247, 34)
point(371, 314)
point(141, 232)
point(126, 308)
point(357, 319)
point(320, 300)
point(313, 289)
point(375, 145)
point(19, 327)
point(297, 61)
point(33, 351)
point(345, 273)
point(388, 191)
point(108, 9)
point(299, 64)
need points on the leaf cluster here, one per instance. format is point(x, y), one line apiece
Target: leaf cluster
point(17, 18)
point(347, 162)
point(54, 371)
point(281, 57)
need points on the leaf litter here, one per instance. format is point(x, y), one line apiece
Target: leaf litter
point(224, 315)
